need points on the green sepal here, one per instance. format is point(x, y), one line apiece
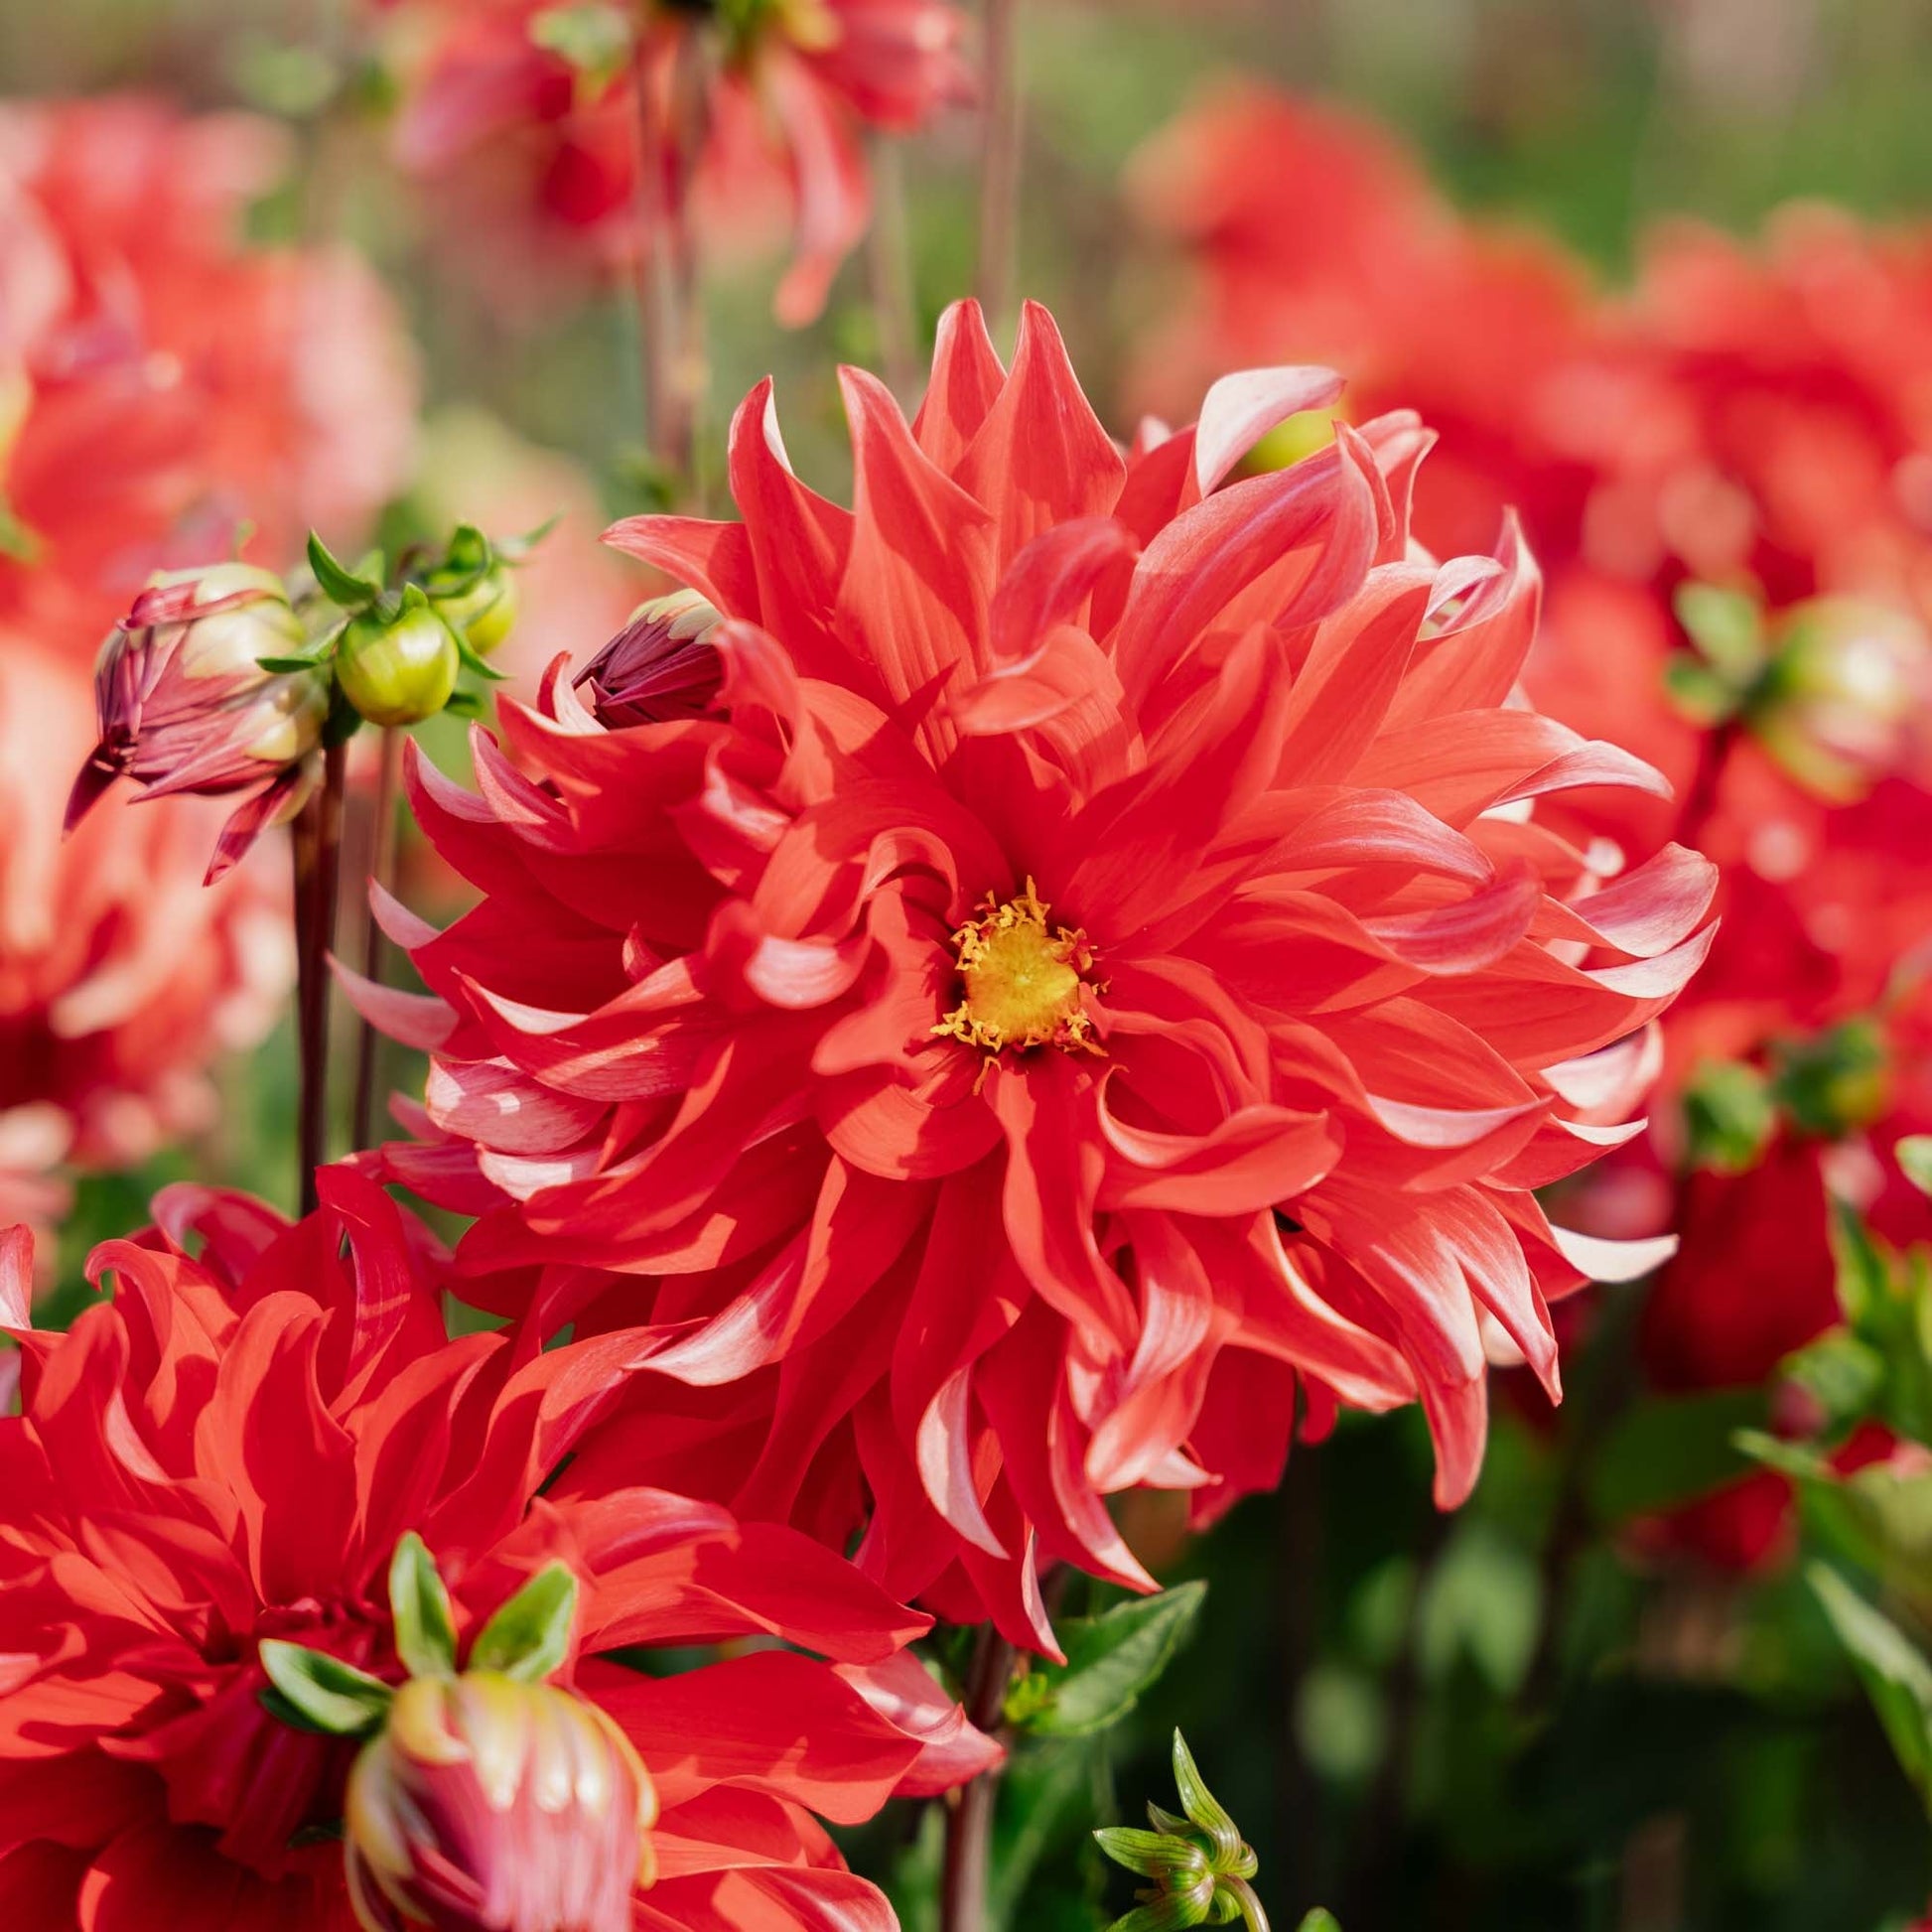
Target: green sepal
point(1320, 1920)
point(298, 662)
point(465, 704)
point(1162, 1915)
point(1201, 1805)
point(420, 1604)
point(1914, 1156)
point(529, 1636)
point(1152, 1855)
point(316, 1692)
point(516, 549)
point(1728, 629)
point(337, 583)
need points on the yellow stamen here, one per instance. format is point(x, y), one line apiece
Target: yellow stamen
point(1025, 981)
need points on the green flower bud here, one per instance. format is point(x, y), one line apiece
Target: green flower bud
point(485, 612)
point(397, 669)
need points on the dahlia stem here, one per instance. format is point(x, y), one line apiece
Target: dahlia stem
point(888, 260)
point(969, 1824)
point(670, 314)
point(1000, 156)
point(382, 871)
point(317, 846)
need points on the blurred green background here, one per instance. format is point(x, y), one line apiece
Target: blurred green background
point(1419, 1721)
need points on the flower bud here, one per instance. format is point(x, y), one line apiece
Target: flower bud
point(185, 704)
point(1847, 685)
point(497, 1805)
point(397, 669)
point(485, 612)
point(660, 666)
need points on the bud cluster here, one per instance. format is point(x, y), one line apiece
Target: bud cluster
point(223, 682)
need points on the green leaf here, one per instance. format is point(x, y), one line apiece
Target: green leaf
point(337, 583)
point(529, 1637)
point(1667, 1450)
point(281, 665)
point(1914, 1156)
point(420, 1604)
point(1841, 1372)
point(1111, 1661)
point(322, 1692)
point(1895, 1674)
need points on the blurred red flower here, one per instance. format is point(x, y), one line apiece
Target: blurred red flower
point(159, 387)
point(529, 114)
point(232, 1449)
point(1094, 961)
point(1751, 416)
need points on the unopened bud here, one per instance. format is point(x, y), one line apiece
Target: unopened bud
point(186, 703)
point(486, 1804)
point(663, 665)
point(397, 669)
point(485, 611)
point(1847, 686)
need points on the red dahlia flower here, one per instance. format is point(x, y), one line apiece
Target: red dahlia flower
point(231, 1450)
point(521, 100)
point(120, 977)
point(1096, 961)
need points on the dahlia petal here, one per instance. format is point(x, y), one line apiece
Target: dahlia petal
point(1612, 1079)
point(907, 1696)
point(770, 1723)
point(15, 1278)
point(1240, 409)
point(713, 559)
point(1257, 1156)
point(1048, 579)
point(829, 180)
point(418, 1020)
point(1378, 828)
point(1466, 936)
point(1474, 662)
point(1646, 911)
point(1040, 457)
point(967, 377)
point(1352, 674)
point(912, 597)
point(498, 1106)
point(1458, 1424)
point(943, 1451)
point(1193, 568)
point(1601, 1258)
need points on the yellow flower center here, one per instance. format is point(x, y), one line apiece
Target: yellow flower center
point(1023, 980)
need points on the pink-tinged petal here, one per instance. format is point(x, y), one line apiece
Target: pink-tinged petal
point(1049, 581)
point(1258, 1156)
point(1458, 1424)
point(907, 1696)
point(1378, 828)
point(418, 1020)
point(713, 559)
point(1646, 911)
point(1041, 459)
point(499, 1107)
point(15, 1278)
point(942, 1448)
point(1475, 661)
point(1199, 562)
point(1612, 1080)
point(1601, 1258)
point(1467, 934)
point(967, 376)
point(1240, 409)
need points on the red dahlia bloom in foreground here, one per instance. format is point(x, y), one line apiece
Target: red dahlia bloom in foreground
point(232, 1448)
point(1095, 962)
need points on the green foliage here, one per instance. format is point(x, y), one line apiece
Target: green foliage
point(529, 1636)
point(1892, 1669)
point(1111, 1661)
point(313, 1690)
point(1668, 1450)
point(420, 1604)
